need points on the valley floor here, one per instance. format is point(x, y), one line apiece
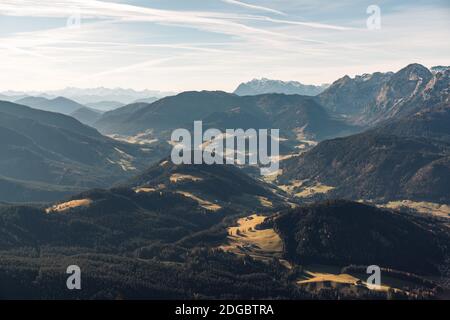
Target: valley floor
point(250, 238)
point(247, 239)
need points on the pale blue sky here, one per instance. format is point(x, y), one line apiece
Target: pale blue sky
point(176, 45)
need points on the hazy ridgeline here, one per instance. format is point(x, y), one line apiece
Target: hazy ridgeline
point(365, 165)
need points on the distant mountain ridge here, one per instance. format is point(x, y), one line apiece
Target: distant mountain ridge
point(146, 100)
point(372, 98)
point(407, 158)
point(51, 154)
point(86, 115)
point(58, 104)
point(90, 95)
point(263, 86)
point(11, 97)
point(219, 109)
point(104, 105)
point(63, 105)
point(124, 96)
point(437, 69)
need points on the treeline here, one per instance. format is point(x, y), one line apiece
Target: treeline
point(203, 274)
point(117, 221)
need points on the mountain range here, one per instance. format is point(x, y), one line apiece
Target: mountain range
point(87, 96)
point(162, 235)
point(402, 159)
point(263, 86)
point(140, 226)
point(63, 105)
point(51, 150)
point(372, 98)
point(104, 105)
point(294, 114)
point(404, 153)
point(58, 104)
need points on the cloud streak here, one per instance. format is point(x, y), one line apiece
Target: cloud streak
point(103, 9)
point(254, 7)
point(121, 44)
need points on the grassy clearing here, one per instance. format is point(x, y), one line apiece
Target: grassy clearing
point(320, 277)
point(203, 203)
point(272, 178)
point(144, 190)
point(303, 139)
point(265, 202)
point(62, 207)
point(436, 209)
point(124, 160)
point(290, 188)
point(177, 177)
point(143, 138)
point(164, 163)
point(297, 188)
point(339, 278)
point(316, 189)
point(246, 239)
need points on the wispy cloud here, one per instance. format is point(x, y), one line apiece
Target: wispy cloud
point(254, 7)
point(310, 24)
point(127, 68)
point(176, 48)
point(223, 23)
point(103, 9)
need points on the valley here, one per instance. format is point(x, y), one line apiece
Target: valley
point(355, 187)
point(435, 209)
point(50, 155)
point(223, 158)
point(253, 239)
point(248, 238)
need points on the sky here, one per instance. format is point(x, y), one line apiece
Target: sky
point(178, 45)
